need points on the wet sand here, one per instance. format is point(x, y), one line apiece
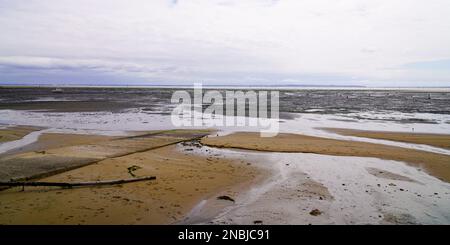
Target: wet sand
point(322, 189)
point(15, 133)
point(38, 164)
point(437, 140)
point(49, 141)
point(183, 180)
point(435, 164)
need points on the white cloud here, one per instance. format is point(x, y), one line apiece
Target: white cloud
point(224, 41)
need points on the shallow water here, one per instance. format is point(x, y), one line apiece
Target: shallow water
point(152, 100)
point(111, 111)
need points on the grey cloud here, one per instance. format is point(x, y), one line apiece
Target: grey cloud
point(221, 41)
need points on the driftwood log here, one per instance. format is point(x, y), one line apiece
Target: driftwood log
point(75, 184)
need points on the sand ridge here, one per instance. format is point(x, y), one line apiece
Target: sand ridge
point(437, 140)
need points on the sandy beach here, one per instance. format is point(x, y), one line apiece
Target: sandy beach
point(288, 179)
point(183, 180)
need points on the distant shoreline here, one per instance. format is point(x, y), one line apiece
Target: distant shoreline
point(268, 87)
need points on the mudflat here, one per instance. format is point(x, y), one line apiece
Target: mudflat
point(435, 164)
point(67, 106)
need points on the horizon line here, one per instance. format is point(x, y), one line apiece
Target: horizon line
point(49, 85)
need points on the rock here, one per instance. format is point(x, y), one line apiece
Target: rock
point(257, 222)
point(226, 198)
point(132, 169)
point(315, 212)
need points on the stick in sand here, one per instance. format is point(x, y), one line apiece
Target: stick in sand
point(66, 184)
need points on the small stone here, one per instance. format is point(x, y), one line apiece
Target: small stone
point(226, 198)
point(315, 212)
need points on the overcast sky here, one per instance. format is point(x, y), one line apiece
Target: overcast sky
point(336, 42)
